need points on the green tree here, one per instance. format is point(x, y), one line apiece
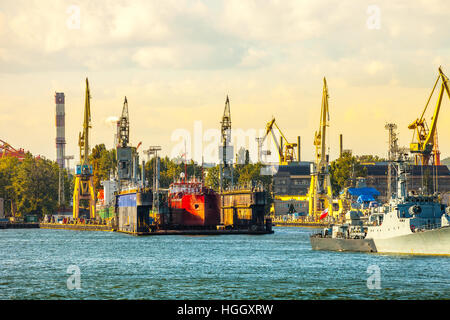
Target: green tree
point(103, 162)
point(343, 170)
point(8, 170)
point(36, 186)
point(369, 158)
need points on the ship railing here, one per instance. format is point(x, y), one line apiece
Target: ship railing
point(427, 226)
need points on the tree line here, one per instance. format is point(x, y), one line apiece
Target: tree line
point(31, 186)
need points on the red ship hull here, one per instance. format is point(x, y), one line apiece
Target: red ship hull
point(195, 210)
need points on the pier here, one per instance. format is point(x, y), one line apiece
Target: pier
point(18, 225)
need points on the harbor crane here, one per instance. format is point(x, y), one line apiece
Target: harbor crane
point(320, 195)
point(7, 150)
point(123, 126)
point(426, 137)
point(226, 166)
point(285, 149)
point(84, 183)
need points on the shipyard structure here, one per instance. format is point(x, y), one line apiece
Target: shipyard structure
point(294, 179)
point(127, 204)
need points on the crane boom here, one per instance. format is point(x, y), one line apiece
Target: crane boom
point(285, 152)
point(426, 136)
point(320, 194)
point(83, 182)
point(83, 140)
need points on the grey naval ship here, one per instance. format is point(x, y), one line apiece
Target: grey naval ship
point(408, 224)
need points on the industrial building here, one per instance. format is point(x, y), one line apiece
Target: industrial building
point(294, 179)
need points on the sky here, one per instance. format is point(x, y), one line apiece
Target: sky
point(176, 61)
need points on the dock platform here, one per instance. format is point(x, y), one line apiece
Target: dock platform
point(299, 224)
point(197, 232)
point(18, 225)
point(79, 227)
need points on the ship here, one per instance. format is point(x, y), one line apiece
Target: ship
point(409, 224)
point(193, 205)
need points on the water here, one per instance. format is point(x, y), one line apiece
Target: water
point(34, 262)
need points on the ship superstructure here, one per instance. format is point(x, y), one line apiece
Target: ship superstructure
point(410, 223)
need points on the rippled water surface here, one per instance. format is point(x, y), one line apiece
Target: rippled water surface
point(34, 262)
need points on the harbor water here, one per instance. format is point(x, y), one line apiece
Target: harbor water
point(39, 263)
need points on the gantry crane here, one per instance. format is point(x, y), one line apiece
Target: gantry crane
point(320, 195)
point(285, 149)
point(426, 137)
point(84, 183)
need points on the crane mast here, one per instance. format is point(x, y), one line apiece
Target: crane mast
point(426, 137)
point(84, 184)
point(320, 194)
point(124, 126)
point(226, 170)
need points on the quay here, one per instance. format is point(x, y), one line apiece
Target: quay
point(294, 223)
point(79, 226)
point(18, 225)
point(101, 227)
point(198, 232)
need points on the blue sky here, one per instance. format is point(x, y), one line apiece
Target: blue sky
point(177, 60)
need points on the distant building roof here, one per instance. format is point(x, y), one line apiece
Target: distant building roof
point(381, 169)
point(298, 169)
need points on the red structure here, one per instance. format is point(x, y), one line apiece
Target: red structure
point(192, 204)
point(7, 150)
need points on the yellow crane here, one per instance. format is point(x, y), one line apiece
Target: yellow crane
point(84, 183)
point(425, 136)
point(286, 150)
point(320, 195)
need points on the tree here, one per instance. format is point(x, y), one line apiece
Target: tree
point(369, 158)
point(103, 162)
point(36, 186)
point(247, 157)
point(8, 170)
point(343, 170)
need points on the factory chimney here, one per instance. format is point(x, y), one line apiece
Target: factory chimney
point(60, 129)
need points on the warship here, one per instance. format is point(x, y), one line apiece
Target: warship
point(409, 224)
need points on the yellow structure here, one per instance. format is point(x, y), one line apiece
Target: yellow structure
point(425, 136)
point(285, 149)
point(320, 194)
point(84, 184)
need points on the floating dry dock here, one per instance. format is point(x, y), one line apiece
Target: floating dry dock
point(192, 232)
point(198, 232)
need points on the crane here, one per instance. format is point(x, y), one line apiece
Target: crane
point(84, 183)
point(286, 151)
point(427, 136)
point(320, 195)
point(123, 126)
point(226, 169)
point(7, 150)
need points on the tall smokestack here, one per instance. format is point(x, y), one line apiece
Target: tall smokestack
point(60, 129)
